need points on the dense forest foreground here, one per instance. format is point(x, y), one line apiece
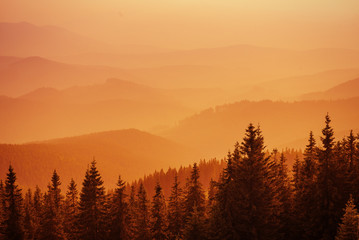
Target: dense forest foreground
point(255, 197)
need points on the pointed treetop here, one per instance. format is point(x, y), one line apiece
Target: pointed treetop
point(328, 134)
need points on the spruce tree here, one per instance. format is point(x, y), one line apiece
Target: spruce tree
point(328, 209)
point(175, 211)
point(51, 223)
point(142, 231)
point(212, 190)
point(71, 211)
point(56, 191)
point(38, 210)
point(194, 195)
point(118, 212)
point(222, 217)
point(351, 148)
point(158, 215)
point(247, 199)
point(305, 192)
point(284, 200)
point(195, 226)
point(255, 181)
point(90, 219)
point(348, 229)
point(12, 222)
point(29, 216)
point(131, 216)
point(2, 208)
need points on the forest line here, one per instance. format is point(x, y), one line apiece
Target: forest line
point(255, 197)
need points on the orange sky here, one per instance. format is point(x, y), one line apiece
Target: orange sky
point(199, 23)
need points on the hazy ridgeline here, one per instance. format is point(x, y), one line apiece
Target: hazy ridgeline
point(253, 196)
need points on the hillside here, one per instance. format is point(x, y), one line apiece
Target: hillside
point(344, 90)
point(292, 87)
point(215, 129)
point(246, 63)
point(131, 153)
point(28, 74)
point(24, 39)
point(48, 113)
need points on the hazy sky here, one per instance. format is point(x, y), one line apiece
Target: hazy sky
point(198, 23)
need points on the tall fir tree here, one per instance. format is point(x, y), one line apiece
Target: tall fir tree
point(247, 199)
point(2, 209)
point(284, 210)
point(158, 215)
point(131, 216)
point(348, 229)
point(328, 210)
point(118, 211)
point(37, 207)
point(142, 219)
point(29, 216)
point(91, 216)
point(212, 191)
point(223, 218)
point(51, 223)
point(71, 211)
point(13, 204)
point(175, 215)
point(194, 194)
point(195, 226)
point(351, 148)
point(305, 192)
point(56, 191)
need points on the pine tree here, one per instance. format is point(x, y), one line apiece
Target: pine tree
point(13, 201)
point(51, 224)
point(142, 220)
point(175, 211)
point(211, 211)
point(56, 191)
point(71, 211)
point(194, 195)
point(118, 212)
point(38, 210)
point(223, 219)
point(29, 216)
point(195, 226)
point(348, 229)
point(296, 173)
point(131, 216)
point(90, 219)
point(326, 190)
point(247, 199)
point(158, 215)
point(284, 200)
point(2, 208)
point(211, 195)
point(305, 191)
point(351, 149)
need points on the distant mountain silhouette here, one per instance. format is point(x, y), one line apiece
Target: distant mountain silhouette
point(27, 74)
point(344, 90)
point(245, 63)
point(291, 88)
point(25, 39)
point(214, 129)
point(116, 104)
point(112, 89)
point(7, 60)
point(131, 153)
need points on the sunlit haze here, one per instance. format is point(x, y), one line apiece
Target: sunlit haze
point(179, 119)
point(185, 24)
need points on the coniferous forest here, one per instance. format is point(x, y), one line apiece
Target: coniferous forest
point(256, 197)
